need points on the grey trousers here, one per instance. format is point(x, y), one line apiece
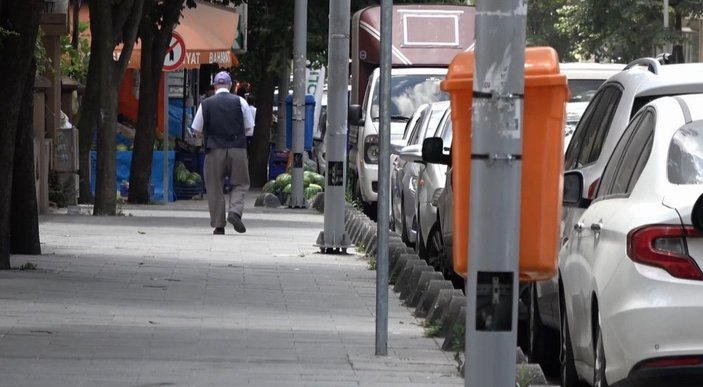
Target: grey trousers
point(219, 163)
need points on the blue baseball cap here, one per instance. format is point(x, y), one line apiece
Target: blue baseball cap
point(223, 78)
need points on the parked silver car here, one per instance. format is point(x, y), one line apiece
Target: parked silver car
point(404, 174)
point(431, 183)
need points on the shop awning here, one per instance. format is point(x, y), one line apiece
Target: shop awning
point(208, 31)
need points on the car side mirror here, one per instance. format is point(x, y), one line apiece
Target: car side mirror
point(697, 214)
point(433, 151)
point(354, 115)
point(397, 146)
point(573, 191)
point(411, 153)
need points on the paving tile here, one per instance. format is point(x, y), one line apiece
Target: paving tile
point(177, 306)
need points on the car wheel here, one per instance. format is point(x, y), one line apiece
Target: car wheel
point(419, 241)
point(392, 223)
point(438, 259)
point(435, 248)
point(599, 362)
point(569, 377)
point(540, 344)
point(403, 224)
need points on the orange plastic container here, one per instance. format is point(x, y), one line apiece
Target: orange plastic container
point(546, 93)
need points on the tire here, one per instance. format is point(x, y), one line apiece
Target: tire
point(568, 375)
point(392, 223)
point(434, 248)
point(437, 257)
point(368, 208)
point(403, 224)
point(540, 343)
point(420, 248)
point(599, 362)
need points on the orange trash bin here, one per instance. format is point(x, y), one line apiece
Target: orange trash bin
point(546, 93)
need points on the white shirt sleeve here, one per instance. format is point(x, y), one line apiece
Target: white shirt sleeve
point(248, 119)
point(197, 124)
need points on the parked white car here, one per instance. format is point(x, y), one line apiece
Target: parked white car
point(404, 175)
point(602, 124)
point(583, 79)
point(630, 273)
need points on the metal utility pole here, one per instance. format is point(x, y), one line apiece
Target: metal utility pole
point(384, 134)
point(165, 138)
point(496, 162)
point(334, 236)
point(666, 14)
point(297, 200)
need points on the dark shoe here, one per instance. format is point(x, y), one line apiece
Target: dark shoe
point(236, 221)
point(219, 231)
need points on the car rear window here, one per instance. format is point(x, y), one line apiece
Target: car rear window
point(685, 160)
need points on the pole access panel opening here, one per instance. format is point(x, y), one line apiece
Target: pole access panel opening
point(494, 301)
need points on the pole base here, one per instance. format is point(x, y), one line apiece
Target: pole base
point(330, 247)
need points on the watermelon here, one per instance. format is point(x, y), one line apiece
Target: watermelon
point(287, 189)
point(316, 187)
point(195, 177)
point(269, 187)
point(318, 179)
point(311, 191)
point(307, 179)
point(283, 180)
point(182, 175)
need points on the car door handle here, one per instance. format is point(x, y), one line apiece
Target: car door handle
point(578, 227)
point(596, 227)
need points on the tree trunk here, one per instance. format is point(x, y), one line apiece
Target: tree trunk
point(143, 150)
point(90, 106)
point(677, 53)
point(110, 25)
point(155, 37)
point(260, 146)
point(75, 33)
point(106, 164)
point(24, 219)
point(21, 19)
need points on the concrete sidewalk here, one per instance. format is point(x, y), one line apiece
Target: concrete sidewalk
point(154, 299)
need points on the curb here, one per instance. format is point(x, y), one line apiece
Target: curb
point(421, 287)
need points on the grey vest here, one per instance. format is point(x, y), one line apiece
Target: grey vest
point(223, 122)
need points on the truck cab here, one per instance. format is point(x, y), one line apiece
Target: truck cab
point(426, 37)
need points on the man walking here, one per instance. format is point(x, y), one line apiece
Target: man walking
point(225, 122)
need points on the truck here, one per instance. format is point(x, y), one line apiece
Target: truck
point(426, 37)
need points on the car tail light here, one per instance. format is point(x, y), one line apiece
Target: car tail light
point(592, 189)
point(666, 362)
point(664, 246)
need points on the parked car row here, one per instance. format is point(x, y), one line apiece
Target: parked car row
point(629, 291)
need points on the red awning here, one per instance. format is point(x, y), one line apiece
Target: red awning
point(208, 31)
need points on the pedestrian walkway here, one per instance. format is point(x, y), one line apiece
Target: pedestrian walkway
point(152, 298)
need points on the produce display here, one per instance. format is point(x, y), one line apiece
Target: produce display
point(183, 176)
point(283, 184)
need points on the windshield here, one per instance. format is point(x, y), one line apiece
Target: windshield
point(685, 161)
point(582, 90)
point(408, 92)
